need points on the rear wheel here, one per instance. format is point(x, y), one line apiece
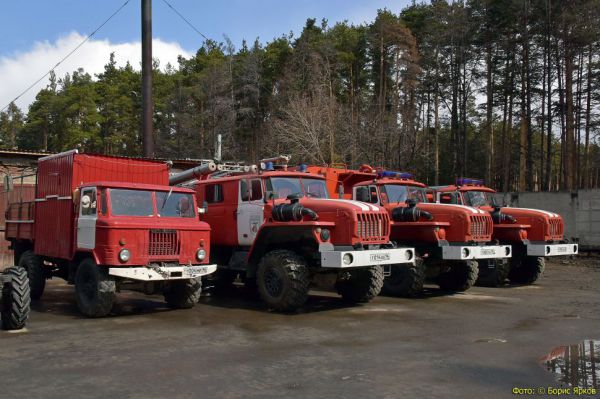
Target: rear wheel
point(405, 280)
point(492, 272)
point(15, 299)
point(460, 276)
point(526, 270)
point(183, 294)
point(34, 266)
point(360, 285)
point(94, 289)
point(283, 280)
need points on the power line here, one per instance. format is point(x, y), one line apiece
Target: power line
point(184, 19)
point(88, 37)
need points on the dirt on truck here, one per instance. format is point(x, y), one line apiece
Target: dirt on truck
point(453, 242)
point(279, 229)
point(107, 223)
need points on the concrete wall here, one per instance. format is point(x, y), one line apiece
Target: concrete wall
point(580, 211)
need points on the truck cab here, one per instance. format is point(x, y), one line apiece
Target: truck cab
point(281, 229)
point(109, 223)
point(453, 241)
point(533, 233)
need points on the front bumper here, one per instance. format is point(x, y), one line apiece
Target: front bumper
point(372, 257)
point(552, 249)
point(476, 252)
point(162, 272)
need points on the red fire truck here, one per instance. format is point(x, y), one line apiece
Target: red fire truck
point(452, 241)
point(533, 233)
point(108, 223)
point(280, 229)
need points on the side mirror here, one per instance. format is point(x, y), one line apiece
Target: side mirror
point(204, 209)
point(8, 183)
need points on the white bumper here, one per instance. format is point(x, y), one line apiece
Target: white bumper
point(158, 273)
point(372, 257)
point(552, 249)
point(476, 252)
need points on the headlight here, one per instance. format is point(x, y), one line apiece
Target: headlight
point(466, 252)
point(201, 254)
point(347, 259)
point(124, 255)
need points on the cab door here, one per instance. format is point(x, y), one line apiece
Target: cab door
point(250, 213)
point(86, 223)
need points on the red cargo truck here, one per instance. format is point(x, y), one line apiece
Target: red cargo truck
point(108, 223)
point(533, 233)
point(453, 241)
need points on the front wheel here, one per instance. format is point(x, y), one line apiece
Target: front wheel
point(460, 276)
point(183, 294)
point(360, 285)
point(15, 298)
point(492, 272)
point(405, 280)
point(283, 280)
point(526, 270)
point(94, 289)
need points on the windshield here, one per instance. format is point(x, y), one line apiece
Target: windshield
point(479, 198)
point(131, 202)
point(284, 186)
point(179, 205)
point(398, 193)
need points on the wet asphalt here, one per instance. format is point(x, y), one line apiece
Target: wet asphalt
point(480, 344)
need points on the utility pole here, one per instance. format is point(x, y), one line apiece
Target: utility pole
point(147, 104)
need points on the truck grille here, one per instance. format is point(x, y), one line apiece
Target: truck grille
point(556, 228)
point(481, 227)
point(373, 227)
point(163, 243)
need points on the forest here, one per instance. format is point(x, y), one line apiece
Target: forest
point(505, 90)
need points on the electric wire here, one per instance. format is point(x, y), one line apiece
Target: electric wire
point(88, 37)
point(185, 19)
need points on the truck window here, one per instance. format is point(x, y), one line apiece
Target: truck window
point(214, 193)
point(449, 198)
point(244, 190)
point(175, 205)
point(131, 202)
point(255, 190)
point(315, 188)
point(88, 202)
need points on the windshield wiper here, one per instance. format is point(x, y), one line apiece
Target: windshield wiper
point(166, 199)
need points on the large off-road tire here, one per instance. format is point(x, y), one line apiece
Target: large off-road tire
point(526, 270)
point(183, 294)
point(94, 289)
point(15, 299)
point(34, 266)
point(492, 272)
point(360, 285)
point(461, 276)
point(283, 280)
point(405, 280)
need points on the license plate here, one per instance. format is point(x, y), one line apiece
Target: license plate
point(194, 271)
point(380, 257)
point(561, 249)
point(487, 251)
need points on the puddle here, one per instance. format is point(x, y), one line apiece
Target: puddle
point(576, 365)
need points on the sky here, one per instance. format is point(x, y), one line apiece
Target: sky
point(36, 34)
